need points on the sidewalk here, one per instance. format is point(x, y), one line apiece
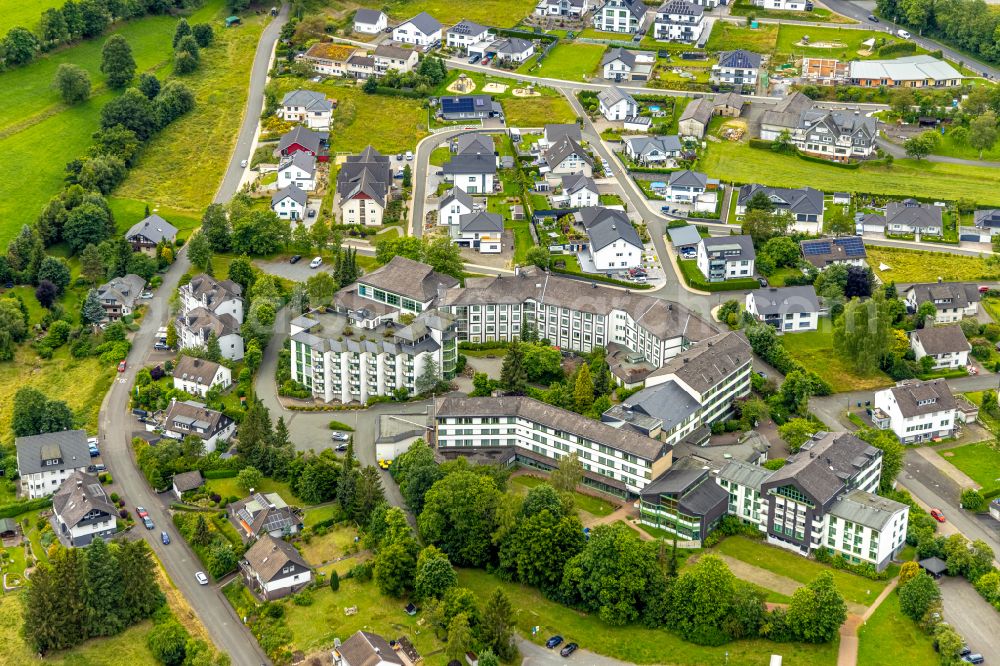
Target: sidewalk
point(932, 456)
point(848, 653)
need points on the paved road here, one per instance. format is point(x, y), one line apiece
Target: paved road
point(898, 151)
point(117, 424)
point(971, 616)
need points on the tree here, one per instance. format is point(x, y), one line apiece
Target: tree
point(259, 233)
point(42, 605)
point(91, 264)
point(215, 227)
point(334, 580)
point(34, 414)
point(53, 29)
point(104, 592)
point(368, 494)
point(203, 34)
point(539, 256)
point(435, 575)
point(817, 610)
point(783, 142)
point(213, 352)
point(407, 176)
point(796, 390)
point(496, 627)
point(797, 432)
point(917, 595)
point(459, 637)
point(840, 222)
point(249, 478)
point(132, 111)
point(488, 658)
point(187, 55)
point(568, 475)
point(167, 642)
point(918, 147)
point(949, 644)
point(395, 567)
point(149, 85)
point(762, 225)
point(459, 515)
point(444, 257)
point(983, 132)
point(513, 374)
point(142, 595)
point(861, 334)
point(428, 378)
point(892, 455)
point(174, 101)
point(93, 311)
point(171, 335)
point(56, 271)
point(182, 30)
point(321, 288)
point(95, 18)
point(702, 598)
point(73, 83)
point(117, 63)
point(19, 46)
point(583, 391)
point(199, 251)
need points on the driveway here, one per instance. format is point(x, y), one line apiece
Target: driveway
point(298, 272)
point(971, 616)
point(536, 655)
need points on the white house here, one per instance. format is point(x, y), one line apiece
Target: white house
point(473, 173)
point(616, 104)
point(912, 217)
point(364, 187)
point(81, 511)
point(218, 296)
point(310, 108)
point(298, 170)
point(784, 5)
point(653, 150)
point(804, 204)
point(120, 295)
point(389, 56)
point(621, 65)
point(692, 188)
point(737, 67)
point(196, 327)
point(947, 345)
point(45, 461)
point(726, 257)
point(453, 205)
point(679, 21)
point(788, 309)
point(553, 132)
point(421, 30)
point(465, 33)
point(512, 49)
point(189, 418)
point(367, 649)
point(185, 481)
point(614, 243)
point(290, 202)
point(579, 191)
point(273, 568)
point(953, 301)
point(480, 231)
point(916, 411)
point(626, 16)
point(836, 136)
point(196, 376)
point(574, 8)
point(370, 21)
point(567, 157)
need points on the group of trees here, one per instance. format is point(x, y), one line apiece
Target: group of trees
point(36, 414)
point(799, 384)
point(429, 72)
point(83, 593)
point(188, 42)
point(441, 254)
point(762, 222)
point(966, 24)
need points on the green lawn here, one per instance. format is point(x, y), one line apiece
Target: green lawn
point(817, 15)
point(335, 543)
point(925, 266)
point(229, 488)
point(592, 505)
point(856, 589)
point(737, 162)
point(889, 638)
point(790, 35)
point(440, 155)
point(992, 307)
point(814, 350)
point(499, 13)
point(129, 211)
point(320, 513)
point(632, 643)
point(728, 36)
point(951, 148)
point(981, 462)
point(569, 61)
point(25, 14)
point(522, 237)
point(778, 277)
point(537, 111)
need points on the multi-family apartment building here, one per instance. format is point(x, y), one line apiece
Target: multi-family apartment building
point(45, 461)
point(788, 309)
point(625, 16)
point(947, 345)
point(953, 301)
point(81, 511)
point(726, 258)
point(211, 306)
point(917, 411)
point(679, 21)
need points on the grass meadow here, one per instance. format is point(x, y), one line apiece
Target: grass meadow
point(907, 266)
point(499, 13)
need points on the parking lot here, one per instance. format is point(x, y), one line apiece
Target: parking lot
point(971, 616)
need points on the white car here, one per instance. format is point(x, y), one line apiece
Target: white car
point(243, 163)
point(340, 437)
point(201, 577)
point(316, 263)
point(409, 156)
point(93, 440)
point(902, 33)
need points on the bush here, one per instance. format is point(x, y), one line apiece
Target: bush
point(338, 425)
point(361, 572)
point(973, 500)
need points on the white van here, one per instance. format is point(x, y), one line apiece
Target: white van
point(902, 33)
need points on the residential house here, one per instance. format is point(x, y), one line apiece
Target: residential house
point(785, 5)
point(579, 191)
point(217, 296)
point(909, 216)
point(916, 71)
point(120, 295)
point(453, 205)
point(726, 258)
point(265, 514)
point(81, 511)
point(330, 58)
point(421, 30)
point(370, 21)
point(302, 139)
point(679, 21)
point(187, 417)
point(273, 568)
point(513, 50)
point(916, 411)
point(621, 65)
point(298, 170)
point(788, 309)
point(987, 221)
point(479, 230)
point(785, 116)
point(465, 33)
point(469, 107)
point(473, 173)
point(947, 345)
point(566, 157)
point(185, 482)
point(953, 301)
point(45, 461)
point(474, 143)
point(290, 202)
point(310, 108)
point(389, 56)
point(146, 235)
point(196, 375)
point(616, 104)
point(196, 327)
point(694, 189)
point(836, 136)
point(695, 117)
point(404, 284)
point(614, 243)
point(736, 68)
point(364, 187)
point(367, 649)
point(570, 8)
point(844, 251)
point(361, 66)
point(625, 16)
point(804, 205)
point(553, 132)
point(653, 150)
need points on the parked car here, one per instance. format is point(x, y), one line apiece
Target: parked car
point(485, 61)
point(473, 59)
point(409, 156)
point(311, 213)
point(762, 282)
point(295, 258)
point(974, 658)
point(316, 263)
point(148, 522)
point(385, 464)
point(141, 512)
point(554, 641)
point(165, 538)
point(146, 295)
point(243, 163)
point(340, 448)
point(569, 649)
point(873, 18)
point(161, 346)
point(902, 33)
point(91, 469)
point(340, 437)
point(201, 577)
point(94, 451)
point(937, 515)
point(983, 288)
point(399, 156)
point(100, 467)
point(121, 366)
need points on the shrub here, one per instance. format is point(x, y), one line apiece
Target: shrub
point(973, 500)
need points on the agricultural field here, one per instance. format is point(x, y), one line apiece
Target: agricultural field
point(499, 13)
point(814, 350)
point(569, 61)
point(906, 266)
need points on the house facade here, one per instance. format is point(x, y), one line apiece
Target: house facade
point(653, 150)
point(918, 71)
point(835, 136)
point(120, 296)
point(571, 8)
point(474, 174)
point(947, 345)
point(312, 109)
point(211, 306)
point(196, 376)
point(81, 511)
point(695, 118)
point(465, 33)
point(45, 461)
point(726, 258)
point(804, 205)
point(616, 104)
point(290, 203)
point(567, 157)
point(693, 188)
point(370, 21)
point(186, 418)
point(916, 411)
point(145, 235)
point(953, 301)
point(679, 21)
point(480, 231)
point(737, 68)
point(625, 16)
point(912, 217)
point(614, 243)
point(364, 186)
point(421, 30)
point(455, 203)
point(825, 252)
point(788, 309)
point(299, 171)
point(390, 56)
point(303, 139)
point(273, 568)
point(580, 191)
point(265, 514)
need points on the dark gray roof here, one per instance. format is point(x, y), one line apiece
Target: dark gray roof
point(367, 16)
point(475, 143)
point(825, 464)
point(688, 178)
point(637, 8)
point(69, 445)
point(196, 369)
point(742, 244)
point(821, 252)
point(268, 555)
point(367, 649)
point(916, 398)
point(732, 99)
point(556, 131)
point(698, 109)
point(124, 290)
point(950, 294)
point(471, 164)
point(510, 46)
point(310, 100)
point(303, 136)
point(840, 123)
point(785, 300)
point(643, 145)
point(467, 27)
point(612, 95)
point(679, 7)
point(188, 480)
point(934, 565)
point(686, 235)
point(361, 61)
point(673, 482)
point(987, 218)
point(708, 362)
point(866, 509)
point(368, 172)
point(667, 403)
point(739, 59)
point(394, 52)
point(456, 194)
point(575, 182)
point(563, 148)
point(409, 278)
point(913, 214)
point(425, 23)
point(604, 226)
point(203, 322)
point(745, 474)
point(195, 415)
point(619, 53)
point(480, 222)
point(706, 496)
point(787, 112)
point(214, 292)
point(302, 160)
point(78, 495)
point(800, 201)
point(941, 339)
point(291, 191)
point(155, 228)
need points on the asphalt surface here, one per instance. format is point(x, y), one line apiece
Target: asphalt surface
point(971, 616)
point(117, 425)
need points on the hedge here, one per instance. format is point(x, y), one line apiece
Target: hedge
point(483, 346)
point(695, 279)
point(23, 506)
point(524, 34)
point(220, 473)
point(898, 47)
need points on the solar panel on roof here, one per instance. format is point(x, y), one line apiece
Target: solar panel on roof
point(276, 521)
point(853, 246)
point(816, 248)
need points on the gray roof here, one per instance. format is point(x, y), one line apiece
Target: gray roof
point(987, 218)
point(954, 294)
point(739, 59)
point(866, 509)
point(709, 362)
point(203, 322)
point(913, 214)
point(612, 95)
point(474, 143)
point(688, 178)
point(124, 290)
point(732, 99)
point(361, 61)
point(263, 513)
point(821, 252)
point(563, 148)
point(798, 201)
point(680, 7)
point(667, 404)
point(188, 480)
point(706, 496)
point(268, 555)
point(197, 369)
point(785, 300)
point(394, 52)
point(480, 222)
point(553, 417)
point(941, 339)
point(155, 228)
point(302, 160)
point(467, 27)
point(367, 649)
point(604, 226)
point(409, 278)
point(456, 194)
point(672, 482)
point(78, 495)
point(368, 172)
point(309, 99)
point(291, 191)
point(934, 565)
point(214, 292)
point(916, 398)
point(195, 415)
point(643, 145)
point(471, 164)
point(575, 182)
point(787, 112)
point(840, 123)
point(69, 445)
point(742, 244)
point(554, 132)
point(637, 8)
point(825, 464)
point(425, 23)
point(699, 109)
point(367, 16)
point(511, 46)
point(619, 53)
point(745, 474)
point(305, 137)
point(686, 235)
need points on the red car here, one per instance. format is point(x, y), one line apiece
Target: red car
point(937, 515)
point(121, 367)
point(142, 513)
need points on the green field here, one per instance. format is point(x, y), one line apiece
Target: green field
point(633, 643)
point(814, 350)
point(569, 61)
point(907, 266)
point(738, 162)
point(229, 488)
point(129, 211)
point(951, 148)
point(980, 462)
point(537, 111)
point(728, 36)
point(25, 14)
point(499, 13)
point(790, 35)
point(889, 638)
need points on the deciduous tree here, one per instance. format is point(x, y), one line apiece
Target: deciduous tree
point(117, 63)
point(73, 83)
point(817, 610)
